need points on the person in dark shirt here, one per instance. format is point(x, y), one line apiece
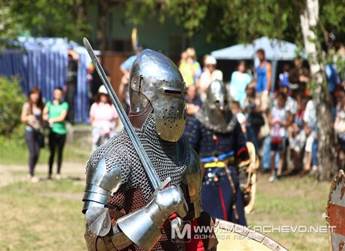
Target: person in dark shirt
point(299, 76)
point(72, 82)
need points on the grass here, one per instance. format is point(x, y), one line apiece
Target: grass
point(294, 202)
point(42, 216)
point(47, 215)
point(14, 151)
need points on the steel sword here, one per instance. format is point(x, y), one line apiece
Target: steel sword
point(149, 169)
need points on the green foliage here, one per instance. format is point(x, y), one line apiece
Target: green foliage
point(64, 18)
point(9, 26)
point(267, 18)
point(11, 101)
point(136, 13)
point(332, 15)
point(241, 20)
point(189, 14)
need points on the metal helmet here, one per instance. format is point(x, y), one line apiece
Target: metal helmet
point(156, 80)
point(217, 97)
point(216, 113)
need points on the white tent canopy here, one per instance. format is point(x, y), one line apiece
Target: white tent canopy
point(274, 49)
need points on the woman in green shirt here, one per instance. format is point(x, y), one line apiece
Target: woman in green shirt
point(55, 112)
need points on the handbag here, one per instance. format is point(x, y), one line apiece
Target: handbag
point(40, 138)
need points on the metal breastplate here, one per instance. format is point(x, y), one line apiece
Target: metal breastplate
point(216, 122)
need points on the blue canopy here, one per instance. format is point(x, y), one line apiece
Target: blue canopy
point(42, 62)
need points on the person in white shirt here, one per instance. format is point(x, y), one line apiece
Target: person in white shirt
point(209, 74)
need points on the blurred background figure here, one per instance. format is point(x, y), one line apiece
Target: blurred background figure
point(339, 126)
point(191, 54)
point(297, 136)
point(284, 77)
point(71, 83)
point(241, 118)
point(263, 78)
point(299, 76)
point(103, 118)
point(279, 121)
point(193, 102)
point(310, 128)
point(125, 68)
point(32, 117)
point(263, 74)
point(55, 113)
point(95, 81)
point(189, 67)
point(186, 69)
point(238, 83)
point(255, 120)
point(209, 74)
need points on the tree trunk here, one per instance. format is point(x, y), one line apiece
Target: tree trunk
point(326, 152)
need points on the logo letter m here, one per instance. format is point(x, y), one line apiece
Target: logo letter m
point(181, 232)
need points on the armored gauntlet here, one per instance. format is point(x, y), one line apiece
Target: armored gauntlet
point(143, 227)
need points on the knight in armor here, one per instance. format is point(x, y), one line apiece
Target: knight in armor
point(216, 135)
point(122, 209)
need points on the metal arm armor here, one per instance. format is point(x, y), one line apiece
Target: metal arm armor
point(100, 184)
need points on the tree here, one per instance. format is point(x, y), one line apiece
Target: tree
point(64, 18)
point(309, 24)
point(8, 24)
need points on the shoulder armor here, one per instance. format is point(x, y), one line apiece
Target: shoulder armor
point(193, 180)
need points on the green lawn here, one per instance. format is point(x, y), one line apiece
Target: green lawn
point(14, 151)
point(47, 215)
point(42, 216)
point(293, 201)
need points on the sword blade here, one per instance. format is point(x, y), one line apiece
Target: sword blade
point(149, 169)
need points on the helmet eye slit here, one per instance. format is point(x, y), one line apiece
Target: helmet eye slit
point(172, 92)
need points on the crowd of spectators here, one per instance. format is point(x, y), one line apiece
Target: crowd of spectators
point(279, 117)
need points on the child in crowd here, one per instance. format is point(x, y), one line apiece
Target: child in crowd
point(297, 136)
point(278, 121)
